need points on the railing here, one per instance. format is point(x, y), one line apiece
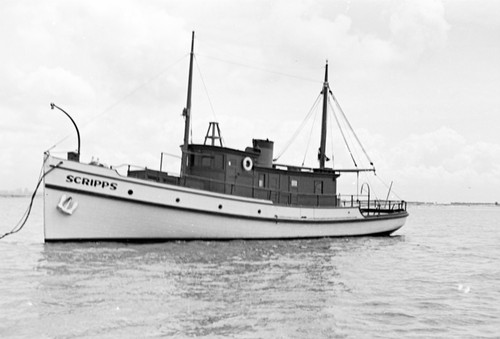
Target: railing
point(366, 205)
point(285, 197)
point(280, 196)
point(373, 207)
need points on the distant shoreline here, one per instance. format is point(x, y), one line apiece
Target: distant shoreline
point(412, 203)
point(453, 203)
point(18, 195)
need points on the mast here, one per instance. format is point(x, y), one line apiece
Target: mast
point(322, 148)
point(187, 111)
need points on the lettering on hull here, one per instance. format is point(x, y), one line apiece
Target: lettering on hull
point(91, 182)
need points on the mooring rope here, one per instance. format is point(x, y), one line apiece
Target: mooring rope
point(27, 213)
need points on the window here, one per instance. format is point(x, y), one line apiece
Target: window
point(206, 161)
point(294, 183)
point(318, 187)
point(219, 161)
point(262, 180)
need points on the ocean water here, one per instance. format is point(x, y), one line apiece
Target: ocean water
point(437, 277)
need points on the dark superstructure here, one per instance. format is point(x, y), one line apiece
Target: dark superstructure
point(252, 173)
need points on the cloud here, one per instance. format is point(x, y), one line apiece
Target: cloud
point(314, 36)
point(98, 58)
point(419, 27)
point(448, 149)
point(57, 83)
point(443, 165)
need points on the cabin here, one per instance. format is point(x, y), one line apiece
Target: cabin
point(251, 173)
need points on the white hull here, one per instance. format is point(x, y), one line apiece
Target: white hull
point(107, 206)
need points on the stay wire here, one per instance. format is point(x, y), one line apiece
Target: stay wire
point(206, 93)
point(297, 131)
point(387, 186)
point(108, 109)
point(342, 133)
point(27, 213)
point(205, 87)
point(310, 136)
point(352, 130)
point(260, 69)
point(332, 143)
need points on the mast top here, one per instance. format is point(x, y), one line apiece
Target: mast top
point(192, 42)
point(326, 72)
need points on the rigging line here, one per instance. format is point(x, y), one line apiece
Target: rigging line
point(387, 186)
point(297, 131)
point(349, 139)
point(205, 88)
point(206, 92)
point(342, 133)
point(123, 98)
point(350, 127)
point(261, 69)
point(309, 139)
point(27, 213)
point(332, 144)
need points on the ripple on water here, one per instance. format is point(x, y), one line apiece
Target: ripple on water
point(437, 279)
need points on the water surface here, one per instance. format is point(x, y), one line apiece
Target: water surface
point(437, 277)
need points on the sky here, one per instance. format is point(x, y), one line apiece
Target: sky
point(418, 80)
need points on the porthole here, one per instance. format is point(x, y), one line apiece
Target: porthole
point(130, 192)
point(220, 207)
point(177, 200)
point(259, 211)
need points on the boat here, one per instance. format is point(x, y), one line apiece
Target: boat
point(221, 193)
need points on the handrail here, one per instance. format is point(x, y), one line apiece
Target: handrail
point(357, 201)
point(272, 190)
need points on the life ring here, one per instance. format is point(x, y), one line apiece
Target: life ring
point(247, 164)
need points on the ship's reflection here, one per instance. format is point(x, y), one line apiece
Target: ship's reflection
point(201, 287)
